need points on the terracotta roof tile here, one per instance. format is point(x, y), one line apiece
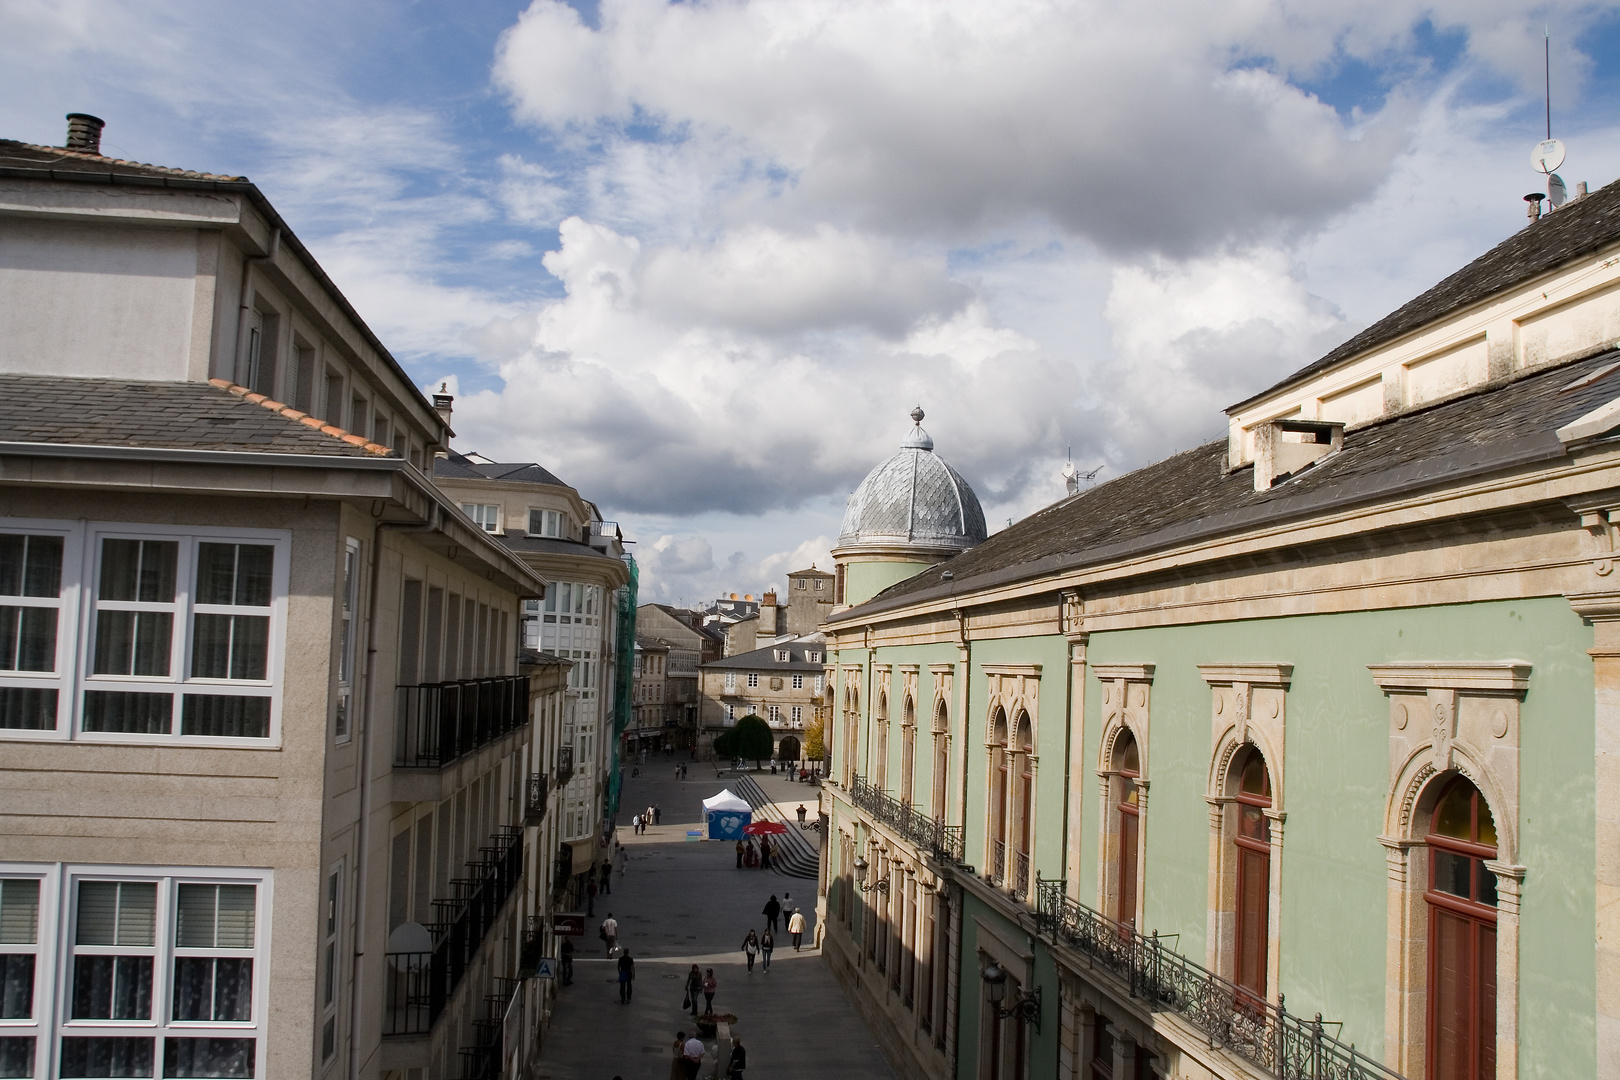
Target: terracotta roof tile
point(32, 156)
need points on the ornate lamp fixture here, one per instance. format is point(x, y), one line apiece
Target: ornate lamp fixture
point(1026, 1006)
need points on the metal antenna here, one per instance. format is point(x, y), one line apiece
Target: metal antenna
point(1546, 56)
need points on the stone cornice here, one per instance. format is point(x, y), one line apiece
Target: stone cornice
point(1500, 676)
point(1026, 670)
point(1252, 674)
point(1128, 672)
point(1596, 606)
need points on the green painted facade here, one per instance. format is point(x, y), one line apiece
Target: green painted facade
point(864, 580)
point(1333, 918)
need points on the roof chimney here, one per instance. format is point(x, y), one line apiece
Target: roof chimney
point(1284, 447)
point(1533, 211)
point(444, 402)
point(84, 132)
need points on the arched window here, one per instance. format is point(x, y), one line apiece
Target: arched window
point(1026, 805)
point(1127, 770)
point(908, 749)
point(998, 798)
point(942, 760)
point(1462, 936)
point(1252, 838)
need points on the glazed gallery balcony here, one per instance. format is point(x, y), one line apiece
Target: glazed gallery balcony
point(420, 984)
point(1266, 1036)
point(440, 722)
point(943, 842)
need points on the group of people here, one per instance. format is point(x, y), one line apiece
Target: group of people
point(689, 1058)
point(647, 818)
point(755, 858)
point(783, 909)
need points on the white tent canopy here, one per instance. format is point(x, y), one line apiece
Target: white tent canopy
point(725, 801)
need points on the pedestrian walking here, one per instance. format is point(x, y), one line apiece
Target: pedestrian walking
point(692, 1057)
point(646, 818)
point(609, 932)
point(566, 963)
point(796, 928)
point(766, 945)
point(741, 851)
point(750, 947)
point(772, 911)
point(694, 987)
point(658, 813)
point(764, 853)
point(739, 1060)
point(787, 907)
point(635, 825)
point(590, 896)
point(627, 977)
point(607, 876)
point(710, 985)
point(677, 1064)
point(624, 859)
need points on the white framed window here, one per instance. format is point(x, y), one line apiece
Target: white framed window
point(38, 591)
point(134, 971)
point(801, 584)
point(545, 522)
point(22, 1033)
point(775, 714)
point(731, 713)
point(812, 657)
point(331, 960)
point(819, 583)
point(798, 682)
point(820, 681)
point(348, 606)
point(798, 714)
point(486, 516)
point(731, 681)
point(782, 656)
point(753, 679)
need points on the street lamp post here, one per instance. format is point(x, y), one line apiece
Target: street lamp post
point(861, 866)
point(1026, 1007)
point(816, 825)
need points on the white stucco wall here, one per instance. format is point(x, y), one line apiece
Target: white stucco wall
point(96, 300)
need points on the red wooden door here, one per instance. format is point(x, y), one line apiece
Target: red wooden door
point(1462, 938)
point(1128, 825)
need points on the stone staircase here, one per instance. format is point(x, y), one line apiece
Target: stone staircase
point(798, 853)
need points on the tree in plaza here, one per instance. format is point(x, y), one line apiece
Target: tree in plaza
point(754, 740)
point(814, 747)
point(725, 744)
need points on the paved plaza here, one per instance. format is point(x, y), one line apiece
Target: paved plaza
point(683, 902)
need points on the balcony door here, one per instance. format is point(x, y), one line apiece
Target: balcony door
point(998, 798)
point(1127, 770)
point(1253, 843)
point(1462, 937)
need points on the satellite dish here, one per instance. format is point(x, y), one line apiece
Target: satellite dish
point(1547, 156)
point(1557, 193)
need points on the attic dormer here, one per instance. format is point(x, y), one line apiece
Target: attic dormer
point(1284, 447)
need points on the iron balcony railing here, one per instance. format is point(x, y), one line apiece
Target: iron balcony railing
point(420, 984)
point(533, 948)
point(1267, 1036)
point(1020, 884)
point(534, 799)
point(998, 862)
point(943, 842)
point(439, 722)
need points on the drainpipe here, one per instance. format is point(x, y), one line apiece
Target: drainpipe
point(363, 829)
point(248, 262)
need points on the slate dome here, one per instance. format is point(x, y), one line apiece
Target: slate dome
point(914, 499)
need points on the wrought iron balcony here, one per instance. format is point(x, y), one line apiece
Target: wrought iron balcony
point(998, 862)
point(1020, 883)
point(420, 984)
point(1267, 1036)
point(440, 722)
point(536, 793)
point(533, 947)
point(943, 842)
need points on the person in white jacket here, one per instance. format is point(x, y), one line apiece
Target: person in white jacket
point(796, 928)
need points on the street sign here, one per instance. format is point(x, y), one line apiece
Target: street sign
point(547, 968)
point(568, 925)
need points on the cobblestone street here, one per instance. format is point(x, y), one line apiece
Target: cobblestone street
point(683, 902)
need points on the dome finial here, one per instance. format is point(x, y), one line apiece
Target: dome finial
point(917, 438)
point(917, 415)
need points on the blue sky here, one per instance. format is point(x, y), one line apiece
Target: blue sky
point(700, 259)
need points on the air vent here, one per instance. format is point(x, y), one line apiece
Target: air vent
point(1284, 447)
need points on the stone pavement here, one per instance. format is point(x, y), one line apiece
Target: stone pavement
point(684, 902)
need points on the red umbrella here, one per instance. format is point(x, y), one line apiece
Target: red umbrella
point(760, 828)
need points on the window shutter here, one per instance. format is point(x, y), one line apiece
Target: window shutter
point(19, 911)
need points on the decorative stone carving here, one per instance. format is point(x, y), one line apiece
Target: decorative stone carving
point(1127, 699)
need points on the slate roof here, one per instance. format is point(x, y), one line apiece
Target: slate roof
point(763, 659)
point(1578, 228)
point(165, 415)
point(536, 658)
point(460, 467)
point(551, 545)
point(1191, 495)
